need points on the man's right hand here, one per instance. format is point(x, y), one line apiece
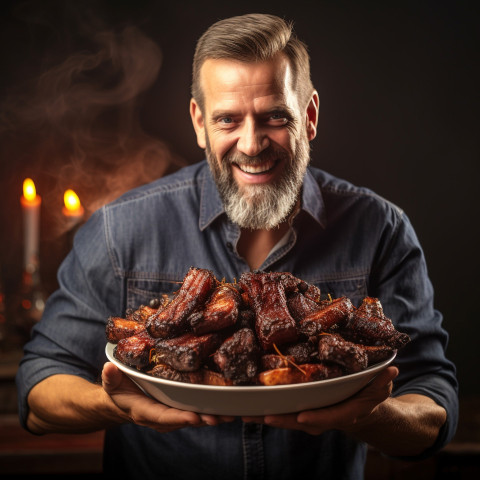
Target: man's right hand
point(140, 409)
point(64, 403)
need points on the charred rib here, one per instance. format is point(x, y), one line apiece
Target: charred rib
point(172, 319)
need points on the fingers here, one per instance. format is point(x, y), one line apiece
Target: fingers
point(343, 415)
point(146, 411)
point(283, 421)
point(348, 413)
point(215, 419)
point(169, 418)
point(143, 410)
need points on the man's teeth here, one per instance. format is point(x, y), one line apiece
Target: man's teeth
point(264, 167)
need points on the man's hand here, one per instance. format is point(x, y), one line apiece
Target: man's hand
point(403, 426)
point(70, 404)
point(342, 416)
point(137, 408)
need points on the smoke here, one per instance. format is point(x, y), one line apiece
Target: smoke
point(77, 123)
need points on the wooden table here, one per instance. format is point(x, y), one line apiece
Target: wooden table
point(22, 453)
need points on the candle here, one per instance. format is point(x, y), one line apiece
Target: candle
point(30, 202)
point(72, 210)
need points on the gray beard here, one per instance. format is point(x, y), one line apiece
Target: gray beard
point(260, 206)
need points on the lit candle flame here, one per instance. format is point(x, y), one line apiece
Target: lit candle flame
point(29, 191)
point(71, 200)
point(73, 208)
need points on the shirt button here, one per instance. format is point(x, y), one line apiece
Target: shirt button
point(229, 246)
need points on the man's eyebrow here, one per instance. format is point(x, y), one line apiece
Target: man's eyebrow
point(280, 108)
point(216, 114)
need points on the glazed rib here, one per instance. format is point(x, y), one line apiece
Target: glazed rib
point(336, 312)
point(220, 312)
point(309, 372)
point(273, 323)
point(187, 352)
point(171, 320)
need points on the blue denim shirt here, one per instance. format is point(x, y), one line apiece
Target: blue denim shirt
point(346, 240)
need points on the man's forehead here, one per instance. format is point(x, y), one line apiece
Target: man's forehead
point(230, 80)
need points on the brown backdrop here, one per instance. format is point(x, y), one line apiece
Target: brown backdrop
point(94, 95)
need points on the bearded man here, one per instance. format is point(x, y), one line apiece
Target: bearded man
point(254, 204)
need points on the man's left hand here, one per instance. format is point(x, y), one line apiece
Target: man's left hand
point(346, 415)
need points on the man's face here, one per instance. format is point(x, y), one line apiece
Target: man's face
point(256, 136)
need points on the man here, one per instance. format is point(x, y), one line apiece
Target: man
point(258, 205)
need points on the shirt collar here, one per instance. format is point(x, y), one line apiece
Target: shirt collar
point(312, 199)
point(211, 206)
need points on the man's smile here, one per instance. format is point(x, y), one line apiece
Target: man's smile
point(257, 169)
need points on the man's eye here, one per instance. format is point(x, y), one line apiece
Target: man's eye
point(279, 118)
point(226, 120)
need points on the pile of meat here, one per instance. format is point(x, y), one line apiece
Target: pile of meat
point(265, 329)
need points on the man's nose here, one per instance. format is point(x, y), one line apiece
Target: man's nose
point(252, 140)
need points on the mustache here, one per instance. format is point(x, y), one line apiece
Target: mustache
point(267, 155)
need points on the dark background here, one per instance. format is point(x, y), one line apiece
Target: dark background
point(94, 96)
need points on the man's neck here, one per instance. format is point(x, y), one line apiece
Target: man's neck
point(255, 245)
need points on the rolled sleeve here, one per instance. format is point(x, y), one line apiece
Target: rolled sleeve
point(403, 284)
point(70, 338)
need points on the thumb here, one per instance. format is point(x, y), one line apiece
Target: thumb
point(386, 376)
point(111, 377)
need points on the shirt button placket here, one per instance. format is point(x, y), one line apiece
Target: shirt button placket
point(253, 451)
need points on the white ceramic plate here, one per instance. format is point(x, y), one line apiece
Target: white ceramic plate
point(253, 400)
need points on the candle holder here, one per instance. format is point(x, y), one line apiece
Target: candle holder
point(31, 301)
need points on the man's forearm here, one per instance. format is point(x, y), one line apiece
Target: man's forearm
point(402, 426)
point(70, 404)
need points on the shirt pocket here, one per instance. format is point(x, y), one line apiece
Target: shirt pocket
point(143, 291)
point(354, 289)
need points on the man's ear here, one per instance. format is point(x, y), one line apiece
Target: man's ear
point(198, 123)
point(312, 116)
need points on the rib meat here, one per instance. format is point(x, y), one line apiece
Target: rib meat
point(272, 361)
point(218, 333)
point(237, 357)
point(377, 353)
point(300, 306)
point(188, 352)
point(201, 376)
point(141, 314)
point(171, 320)
point(364, 328)
point(319, 321)
point(350, 356)
point(134, 351)
point(302, 352)
point(167, 372)
point(273, 323)
point(220, 312)
point(309, 372)
point(118, 328)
